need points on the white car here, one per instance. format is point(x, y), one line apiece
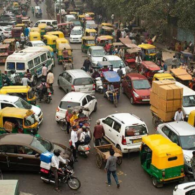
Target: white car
point(34, 44)
point(6, 31)
point(116, 62)
point(76, 34)
point(76, 99)
point(17, 102)
point(182, 134)
point(185, 189)
point(125, 131)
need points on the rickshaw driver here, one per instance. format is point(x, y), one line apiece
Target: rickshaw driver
point(110, 89)
point(65, 53)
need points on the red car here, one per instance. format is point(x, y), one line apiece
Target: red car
point(137, 88)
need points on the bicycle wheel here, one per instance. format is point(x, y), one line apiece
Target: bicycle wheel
point(63, 125)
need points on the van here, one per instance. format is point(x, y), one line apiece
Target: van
point(31, 58)
point(53, 23)
point(188, 100)
point(76, 34)
point(68, 18)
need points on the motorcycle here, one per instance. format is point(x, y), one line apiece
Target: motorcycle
point(46, 97)
point(64, 176)
point(98, 85)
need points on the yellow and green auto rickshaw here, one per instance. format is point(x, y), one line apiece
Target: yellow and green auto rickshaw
point(59, 41)
point(59, 34)
point(106, 30)
point(162, 76)
point(90, 14)
point(18, 120)
point(81, 19)
point(90, 32)
point(25, 92)
point(61, 56)
point(20, 25)
point(50, 40)
point(35, 29)
point(42, 27)
point(34, 36)
point(162, 159)
point(87, 41)
point(149, 51)
point(102, 40)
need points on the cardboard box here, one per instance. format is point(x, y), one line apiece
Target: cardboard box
point(153, 109)
point(166, 106)
point(177, 104)
point(157, 84)
point(154, 99)
point(165, 116)
point(177, 92)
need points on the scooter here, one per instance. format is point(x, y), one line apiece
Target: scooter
point(64, 176)
point(98, 85)
point(84, 150)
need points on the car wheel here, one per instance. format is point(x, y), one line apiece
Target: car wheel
point(132, 101)
point(95, 108)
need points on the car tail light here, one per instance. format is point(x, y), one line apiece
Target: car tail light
point(124, 142)
point(163, 174)
point(44, 171)
point(93, 86)
point(57, 110)
point(72, 88)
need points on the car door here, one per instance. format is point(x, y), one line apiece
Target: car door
point(90, 103)
point(116, 137)
point(125, 84)
point(108, 124)
point(63, 81)
point(27, 159)
point(85, 104)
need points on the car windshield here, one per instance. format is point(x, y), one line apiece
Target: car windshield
point(41, 144)
point(117, 63)
point(187, 142)
point(76, 32)
point(91, 42)
point(151, 51)
point(65, 104)
point(141, 84)
point(39, 44)
point(98, 52)
point(135, 130)
point(29, 120)
point(20, 103)
point(189, 101)
point(83, 81)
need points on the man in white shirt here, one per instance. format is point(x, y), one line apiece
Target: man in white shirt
point(179, 115)
point(55, 162)
point(44, 71)
point(50, 80)
point(25, 81)
point(74, 140)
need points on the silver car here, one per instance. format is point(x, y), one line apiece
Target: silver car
point(95, 54)
point(76, 80)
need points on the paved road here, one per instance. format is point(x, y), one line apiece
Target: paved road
point(133, 179)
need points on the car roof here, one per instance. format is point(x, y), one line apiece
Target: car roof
point(96, 47)
point(112, 57)
point(77, 28)
point(182, 128)
point(73, 96)
point(186, 90)
point(78, 73)
point(136, 76)
point(127, 118)
point(187, 186)
point(8, 98)
point(16, 139)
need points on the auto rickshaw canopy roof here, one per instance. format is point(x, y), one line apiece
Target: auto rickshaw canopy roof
point(90, 13)
point(88, 38)
point(147, 46)
point(106, 24)
point(4, 46)
point(48, 47)
point(165, 153)
point(50, 37)
point(163, 76)
point(15, 89)
point(34, 34)
point(104, 37)
point(111, 76)
point(90, 30)
point(56, 33)
point(42, 25)
point(181, 73)
point(81, 16)
point(17, 28)
point(107, 28)
point(61, 46)
point(35, 29)
point(8, 41)
point(191, 118)
point(20, 25)
point(61, 40)
point(150, 65)
point(15, 112)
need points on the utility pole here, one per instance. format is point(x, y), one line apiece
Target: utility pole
point(60, 12)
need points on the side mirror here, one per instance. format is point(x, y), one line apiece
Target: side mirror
point(37, 155)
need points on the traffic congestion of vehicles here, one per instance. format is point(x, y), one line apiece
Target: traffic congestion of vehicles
point(33, 48)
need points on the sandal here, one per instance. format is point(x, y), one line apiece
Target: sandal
point(57, 189)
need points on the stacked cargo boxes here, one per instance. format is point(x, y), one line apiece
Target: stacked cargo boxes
point(165, 99)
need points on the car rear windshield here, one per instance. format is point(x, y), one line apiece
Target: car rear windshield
point(135, 130)
point(141, 84)
point(83, 81)
point(65, 104)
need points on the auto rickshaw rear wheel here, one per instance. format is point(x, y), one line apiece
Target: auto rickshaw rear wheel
point(155, 183)
point(99, 161)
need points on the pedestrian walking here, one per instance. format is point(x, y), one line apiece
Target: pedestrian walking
point(33, 10)
point(44, 72)
point(68, 116)
point(98, 133)
point(110, 168)
point(17, 46)
point(74, 140)
point(87, 64)
point(118, 35)
point(50, 81)
point(22, 39)
point(193, 164)
point(120, 72)
point(112, 18)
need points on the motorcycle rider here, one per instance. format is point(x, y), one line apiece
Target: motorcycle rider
point(43, 88)
point(55, 162)
point(95, 74)
point(84, 137)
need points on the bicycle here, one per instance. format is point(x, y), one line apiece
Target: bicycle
point(63, 124)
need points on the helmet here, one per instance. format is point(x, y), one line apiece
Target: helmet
point(80, 125)
point(57, 152)
point(43, 79)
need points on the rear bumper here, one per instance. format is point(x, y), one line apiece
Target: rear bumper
point(132, 148)
point(141, 100)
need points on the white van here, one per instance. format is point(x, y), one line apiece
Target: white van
point(17, 102)
point(53, 23)
point(68, 18)
point(188, 99)
point(76, 34)
point(31, 58)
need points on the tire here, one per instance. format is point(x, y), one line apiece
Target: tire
point(74, 183)
point(155, 183)
point(99, 161)
point(95, 108)
point(63, 126)
point(132, 101)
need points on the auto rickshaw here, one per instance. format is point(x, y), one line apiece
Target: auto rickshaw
point(162, 159)
point(20, 25)
point(11, 42)
point(35, 29)
point(102, 40)
point(106, 30)
point(91, 14)
point(90, 32)
point(42, 27)
point(59, 41)
point(16, 32)
point(149, 51)
point(34, 36)
point(163, 76)
point(50, 40)
point(25, 92)
point(87, 41)
point(18, 120)
point(106, 24)
point(59, 34)
point(181, 75)
point(111, 77)
point(191, 118)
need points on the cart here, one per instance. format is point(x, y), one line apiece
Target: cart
point(103, 154)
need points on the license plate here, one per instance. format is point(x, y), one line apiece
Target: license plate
point(145, 100)
point(83, 90)
point(137, 141)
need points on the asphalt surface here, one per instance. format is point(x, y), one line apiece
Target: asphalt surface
point(132, 177)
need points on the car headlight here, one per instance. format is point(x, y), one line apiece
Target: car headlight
point(187, 160)
point(36, 118)
point(135, 94)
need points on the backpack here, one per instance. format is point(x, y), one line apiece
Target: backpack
point(44, 89)
point(87, 139)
